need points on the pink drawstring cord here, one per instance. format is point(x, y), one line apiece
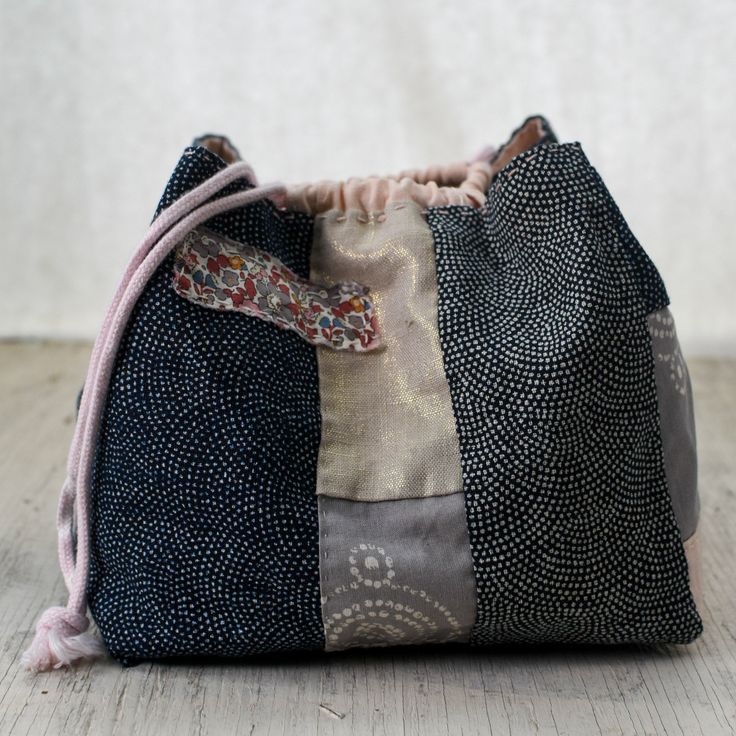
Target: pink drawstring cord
point(61, 636)
point(185, 204)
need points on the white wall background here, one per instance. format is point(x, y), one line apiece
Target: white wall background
point(98, 99)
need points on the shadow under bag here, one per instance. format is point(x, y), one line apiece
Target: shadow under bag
point(446, 405)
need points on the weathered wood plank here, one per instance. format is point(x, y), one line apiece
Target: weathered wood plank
point(428, 691)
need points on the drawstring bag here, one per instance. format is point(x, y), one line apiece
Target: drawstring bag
point(443, 406)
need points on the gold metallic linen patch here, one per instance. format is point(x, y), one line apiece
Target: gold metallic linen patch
point(388, 429)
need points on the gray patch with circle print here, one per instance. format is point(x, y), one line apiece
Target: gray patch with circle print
point(395, 572)
point(677, 422)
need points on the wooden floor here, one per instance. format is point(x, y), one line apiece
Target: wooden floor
point(444, 690)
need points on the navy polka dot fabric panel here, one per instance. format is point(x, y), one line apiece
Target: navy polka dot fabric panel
point(543, 299)
point(205, 527)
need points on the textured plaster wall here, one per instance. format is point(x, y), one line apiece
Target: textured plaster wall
point(99, 98)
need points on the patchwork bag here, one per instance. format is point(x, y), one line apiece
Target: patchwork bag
point(442, 406)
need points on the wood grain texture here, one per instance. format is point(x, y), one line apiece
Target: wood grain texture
point(427, 691)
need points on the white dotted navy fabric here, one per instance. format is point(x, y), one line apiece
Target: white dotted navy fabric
point(543, 304)
point(204, 529)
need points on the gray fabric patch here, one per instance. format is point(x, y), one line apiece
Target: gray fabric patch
point(395, 572)
point(677, 422)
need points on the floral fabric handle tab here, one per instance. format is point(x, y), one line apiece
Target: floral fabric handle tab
point(216, 272)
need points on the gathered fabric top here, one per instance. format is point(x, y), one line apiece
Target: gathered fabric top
point(459, 183)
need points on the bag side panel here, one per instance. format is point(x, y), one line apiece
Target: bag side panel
point(205, 533)
point(543, 304)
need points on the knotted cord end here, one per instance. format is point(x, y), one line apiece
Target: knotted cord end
point(61, 639)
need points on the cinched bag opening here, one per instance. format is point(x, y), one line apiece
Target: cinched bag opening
point(459, 183)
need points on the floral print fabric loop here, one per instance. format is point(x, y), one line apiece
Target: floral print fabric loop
point(216, 272)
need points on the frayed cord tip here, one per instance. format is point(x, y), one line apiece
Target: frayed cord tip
point(61, 639)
